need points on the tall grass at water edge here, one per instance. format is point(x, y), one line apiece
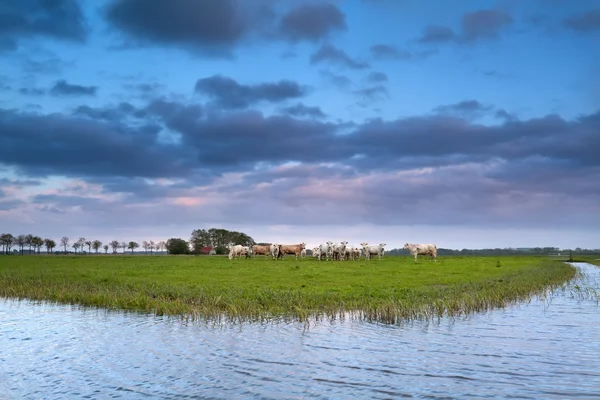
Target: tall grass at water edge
point(216, 288)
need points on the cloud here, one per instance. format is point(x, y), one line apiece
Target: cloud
point(437, 34)
point(62, 88)
point(300, 110)
point(32, 91)
point(68, 145)
point(331, 54)
point(312, 21)
point(584, 23)
point(475, 26)
point(228, 93)
point(388, 52)
point(465, 108)
point(57, 19)
point(376, 77)
point(341, 81)
point(213, 28)
point(371, 94)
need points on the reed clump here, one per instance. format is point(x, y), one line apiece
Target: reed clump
point(218, 289)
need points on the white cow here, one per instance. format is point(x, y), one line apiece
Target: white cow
point(303, 253)
point(327, 250)
point(429, 249)
point(339, 250)
point(234, 250)
point(316, 253)
point(373, 250)
point(274, 251)
point(357, 253)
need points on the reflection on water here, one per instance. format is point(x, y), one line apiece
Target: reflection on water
point(541, 349)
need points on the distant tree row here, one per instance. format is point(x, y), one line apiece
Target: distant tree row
point(34, 245)
point(218, 239)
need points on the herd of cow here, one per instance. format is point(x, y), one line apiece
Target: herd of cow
point(327, 251)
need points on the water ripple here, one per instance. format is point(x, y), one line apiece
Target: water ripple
point(543, 348)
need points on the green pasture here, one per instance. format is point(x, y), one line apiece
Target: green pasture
point(216, 288)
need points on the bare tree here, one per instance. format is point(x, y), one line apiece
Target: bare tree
point(64, 241)
point(146, 246)
point(115, 245)
point(76, 246)
point(152, 246)
point(105, 249)
point(123, 246)
point(81, 242)
point(89, 243)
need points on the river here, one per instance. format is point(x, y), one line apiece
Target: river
point(542, 349)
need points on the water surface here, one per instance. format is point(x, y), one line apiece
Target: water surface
point(540, 349)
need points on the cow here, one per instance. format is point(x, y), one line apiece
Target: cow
point(373, 250)
point(303, 253)
point(294, 249)
point(274, 250)
point(327, 250)
point(262, 250)
point(234, 250)
point(339, 250)
point(429, 249)
point(357, 253)
point(349, 253)
point(316, 253)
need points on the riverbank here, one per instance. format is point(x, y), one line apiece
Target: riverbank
point(215, 287)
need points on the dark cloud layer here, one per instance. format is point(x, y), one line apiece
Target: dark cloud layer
point(228, 93)
point(312, 21)
point(58, 19)
point(586, 22)
point(62, 88)
point(476, 25)
point(331, 54)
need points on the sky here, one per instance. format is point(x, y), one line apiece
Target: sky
point(469, 124)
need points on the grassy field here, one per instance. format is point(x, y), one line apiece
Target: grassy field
point(216, 288)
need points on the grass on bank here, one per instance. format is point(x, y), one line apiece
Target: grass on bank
point(212, 288)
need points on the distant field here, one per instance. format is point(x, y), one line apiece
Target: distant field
point(214, 287)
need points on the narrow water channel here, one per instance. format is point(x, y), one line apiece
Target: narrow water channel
point(541, 349)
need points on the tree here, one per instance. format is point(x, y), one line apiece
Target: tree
point(133, 245)
point(76, 246)
point(49, 243)
point(89, 243)
point(96, 244)
point(123, 246)
point(29, 241)
point(64, 241)
point(37, 243)
point(218, 238)
point(177, 246)
point(115, 245)
point(105, 249)
point(21, 240)
point(160, 246)
point(152, 246)
point(146, 246)
point(7, 242)
point(81, 242)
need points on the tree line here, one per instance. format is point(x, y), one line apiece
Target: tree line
point(200, 238)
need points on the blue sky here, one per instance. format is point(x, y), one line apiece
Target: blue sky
point(464, 123)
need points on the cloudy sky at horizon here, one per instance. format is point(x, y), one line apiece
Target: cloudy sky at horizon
point(470, 124)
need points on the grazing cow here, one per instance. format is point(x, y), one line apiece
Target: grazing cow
point(294, 249)
point(234, 250)
point(339, 250)
point(274, 249)
point(373, 250)
point(422, 249)
point(327, 250)
point(262, 250)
